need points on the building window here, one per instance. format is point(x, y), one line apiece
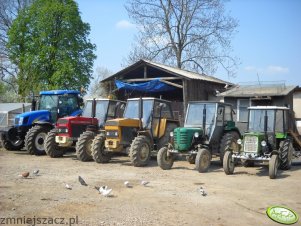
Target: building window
point(242, 106)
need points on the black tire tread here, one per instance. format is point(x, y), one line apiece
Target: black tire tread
point(284, 152)
point(98, 153)
point(51, 147)
point(81, 152)
point(30, 137)
point(162, 154)
point(226, 142)
point(135, 148)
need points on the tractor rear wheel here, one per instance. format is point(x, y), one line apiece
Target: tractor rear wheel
point(35, 138)
point(286, 154)
point(202, 160)
point(273, 166)
point(52, 149)
point(140, 151)
point(164, 160)
point(84, 146)
point(228, 142)
point(98, 150)
point(228, 163)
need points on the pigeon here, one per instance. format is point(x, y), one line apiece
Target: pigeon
point(107, 192)
point(81, 181)
point(144, 183)
point(127, 184)
point(24, 174)
point(36, 172)
point(202, 191)
point(68, 186)
point(102, 189)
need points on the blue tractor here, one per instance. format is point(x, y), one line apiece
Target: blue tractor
point(30, 128)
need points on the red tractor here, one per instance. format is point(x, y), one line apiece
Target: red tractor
point(68, 129)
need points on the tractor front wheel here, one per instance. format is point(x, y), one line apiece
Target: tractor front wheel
point(98, 150)
point(140, 151)
point(51, 147)
point(165, 160)
point(228, 163)
point(203, 160)
point(12, 145)
point(84, 146)
point(35, 138)
point(273, 166)
point(286, 154)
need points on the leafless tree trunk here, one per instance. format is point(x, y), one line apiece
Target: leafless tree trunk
point(188, 34)
point(8, 12)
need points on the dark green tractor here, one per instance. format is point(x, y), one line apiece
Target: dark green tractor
point(266, 140)
point(208, 130)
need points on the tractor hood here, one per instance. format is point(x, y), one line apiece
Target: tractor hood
point(79, 120)
point(127, 122)
point(183, 137)
point(28, 118)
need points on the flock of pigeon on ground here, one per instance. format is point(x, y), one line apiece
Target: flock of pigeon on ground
point(103, 190)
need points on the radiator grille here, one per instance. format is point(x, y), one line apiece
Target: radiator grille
point(250, 143)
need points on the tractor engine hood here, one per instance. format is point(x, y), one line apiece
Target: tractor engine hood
point(79, 120)
point(124, 122)
point(28, 118)
point(183, 137)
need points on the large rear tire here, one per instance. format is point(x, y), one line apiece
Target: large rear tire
point(35, 138)
point(203, 160)
point(140, 151)
point(273, 166)
point(286, 154)
point(84, 146)
point(164, 160)
point(52, 149)
point(228, 143)
point(228, 163)
point(98, 150)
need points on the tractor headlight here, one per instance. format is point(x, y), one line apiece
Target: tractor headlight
point(196, 134)
point(263, 143)
point(239, 141)
point(116, 134)
point(171, 134)
point(108, 133)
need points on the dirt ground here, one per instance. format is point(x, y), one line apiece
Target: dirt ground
point(171, 197)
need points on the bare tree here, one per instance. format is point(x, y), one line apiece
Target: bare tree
point(8, 12)
point(188, 34)
point(103, 89)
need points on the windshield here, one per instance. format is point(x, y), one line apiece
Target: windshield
point(132, 110)
point(87, 112)
point(101, 110)
point(194, 116)
point(256, 120)
point(48, 102)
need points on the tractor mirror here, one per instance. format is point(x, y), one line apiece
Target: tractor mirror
point(162, 105)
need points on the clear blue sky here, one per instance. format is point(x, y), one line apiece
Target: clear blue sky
point(268, 41)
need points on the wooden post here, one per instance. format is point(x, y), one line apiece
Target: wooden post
point(185, 100)
point(145, 72)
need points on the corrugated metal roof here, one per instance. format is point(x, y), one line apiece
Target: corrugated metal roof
point(175, 71)
point(259, 90)
point(7, 107)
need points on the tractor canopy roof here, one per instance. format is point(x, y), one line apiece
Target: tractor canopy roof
point(267, 108)
point(59, 92)
point(150, 98)
point(209, 102)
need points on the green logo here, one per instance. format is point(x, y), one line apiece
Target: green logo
point(282, 215)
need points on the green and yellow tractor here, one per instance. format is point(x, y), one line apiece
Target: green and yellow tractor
point(208, 130)
point(266, 140)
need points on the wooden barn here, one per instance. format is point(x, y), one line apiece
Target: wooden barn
point(173, 84)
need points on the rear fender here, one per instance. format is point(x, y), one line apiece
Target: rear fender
point(147, 134)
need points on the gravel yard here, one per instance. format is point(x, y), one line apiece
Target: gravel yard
point(171, 197)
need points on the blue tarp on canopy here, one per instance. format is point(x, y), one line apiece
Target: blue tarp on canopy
point(153, 86)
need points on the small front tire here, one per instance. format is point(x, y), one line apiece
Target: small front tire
point(228, 163)
point(84, 146)
point(203, 160)
point(98, 150)
point(51, 147)
point(140, 151)
point(273, 166)
point(164, 160)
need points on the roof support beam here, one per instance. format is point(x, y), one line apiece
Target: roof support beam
point(172, 84)
point(150, 79)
